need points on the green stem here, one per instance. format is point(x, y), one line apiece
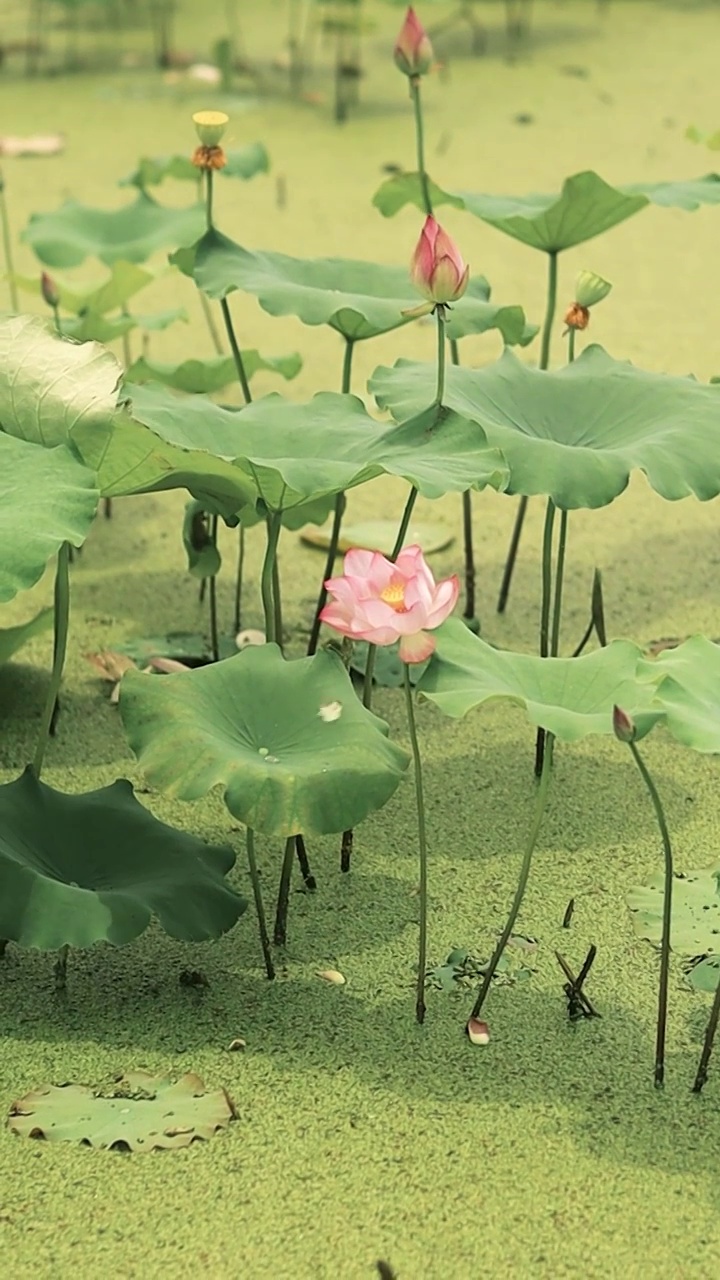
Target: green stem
point(239, 578)
point(420, 143)
point(547, 591)
point(236, 352)
point(571, 345)
point(469, 610)
point(440, 316)
point(540, 804)
point(56, 318)
point(210, 322)
point(422, 847)
point(212, 599)
point(257, 893)
point(666, 918)
point(7, 247)
point(127, 353)
point(702, 1071)
point(281, 911)
point(266, 580)
point(559, 577)
point(277, 600)
point(340, 504)
point(209, 198)
point(62, 618)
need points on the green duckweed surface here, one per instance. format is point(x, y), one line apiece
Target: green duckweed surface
point(361, 1136)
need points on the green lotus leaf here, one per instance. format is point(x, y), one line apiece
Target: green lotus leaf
point(80, 869)
point(245, 162)
point(47, 497)
point(705, 975)
point(695, 926)
point(140, 1112)
point(76, 231)
point(285, 454)
point(91, 327)
point(49, 385)
point(586, 206)
point(576, 433)
point(207, 376)
point(13, 638)
point(687, 680)
point(204, 559)
point(125, 280)
point(570, 697)
point(290, 742)
point(358, 299)
point(157, 321)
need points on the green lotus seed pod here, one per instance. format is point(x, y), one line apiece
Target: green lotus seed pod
point(591, 289)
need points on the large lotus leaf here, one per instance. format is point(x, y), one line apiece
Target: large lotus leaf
point(576, 433)
point(245, 162)
point(47, 497)
point(586, 206)
point(688, 691)
point(206, 376)
point(76, 231)
point(289, 454)
point(141, 1112)
point(125, 280)
point(570, 697)
point(290, 742)
point(49, 385)
point(695, 925)
point(80, 869)
point(13, 638)
point(358, 299)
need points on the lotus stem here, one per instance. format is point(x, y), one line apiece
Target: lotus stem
point(61, 623)
point(550, 307)
point(7, 247)
point(422, 847)
point(60, 969)
point(266, 580)
point(212, 599)
point(340, 504)
point(559, 579)
point(666, 917)
point(239, 578)
point(702, 1071)
point(236, 352)
point(571, 344)
point(303, 863)
point(281, 912)
point(209, 198)
point(420, 143)
point(540, 806)
point(469, 611)
point(257, 893)
point(440, 317)
point(210, 322)
point(277, 600)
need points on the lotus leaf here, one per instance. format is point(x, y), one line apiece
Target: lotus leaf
point(76, 231)
point(207, 376)
point(13, 638)
point(695, 926)
point(688, 691)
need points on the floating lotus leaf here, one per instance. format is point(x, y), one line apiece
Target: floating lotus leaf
point(358, 299)
point(255, 725)
point(13, 638)
point(49, 385)
point(77, 231)
point(687, 681)
point(705, 975)
point(695, 912)
point(141, 1112)
point(80, 869)
point(576, 433)
point(570, 697)
point(585, 207)
point(47, 497)
point(287, 455)
point(207, 376)
point(244, 162)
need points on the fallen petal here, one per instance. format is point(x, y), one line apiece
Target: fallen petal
point(331, 975)
point(244, 638)
point(237, 1046)
point(477, 1032)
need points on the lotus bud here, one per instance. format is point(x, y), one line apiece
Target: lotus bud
point(413, 52)
point(48, 289)
point(477, 1032)
point(623, 725)
point(590, 289)
point(437, 267)
point(210, 126)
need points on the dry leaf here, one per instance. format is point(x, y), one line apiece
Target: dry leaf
point(111, 666)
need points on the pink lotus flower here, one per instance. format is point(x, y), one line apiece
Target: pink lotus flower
point(381, 602)
point(437, 268)
point(413, 52)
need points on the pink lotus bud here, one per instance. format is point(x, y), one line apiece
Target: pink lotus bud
point(623, 725)
point(437, 268)
point(48, 288)
point(477, 1032)
point(413, 52)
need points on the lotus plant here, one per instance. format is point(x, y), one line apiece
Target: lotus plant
point(383, 601)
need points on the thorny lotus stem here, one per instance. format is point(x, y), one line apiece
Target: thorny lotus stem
point(266, 581)
point(281, 911)
point(422, 847)
point(666, 918)
point(62, 617)
point(257, 893)
point(540, 804)
point(546, 336)
point(702, 1071)
point(340, 504)
point(7, 247)
point(420, 143)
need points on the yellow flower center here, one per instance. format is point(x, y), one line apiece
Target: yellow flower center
point(394, 595)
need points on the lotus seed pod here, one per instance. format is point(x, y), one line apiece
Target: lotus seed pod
point(590, 289)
